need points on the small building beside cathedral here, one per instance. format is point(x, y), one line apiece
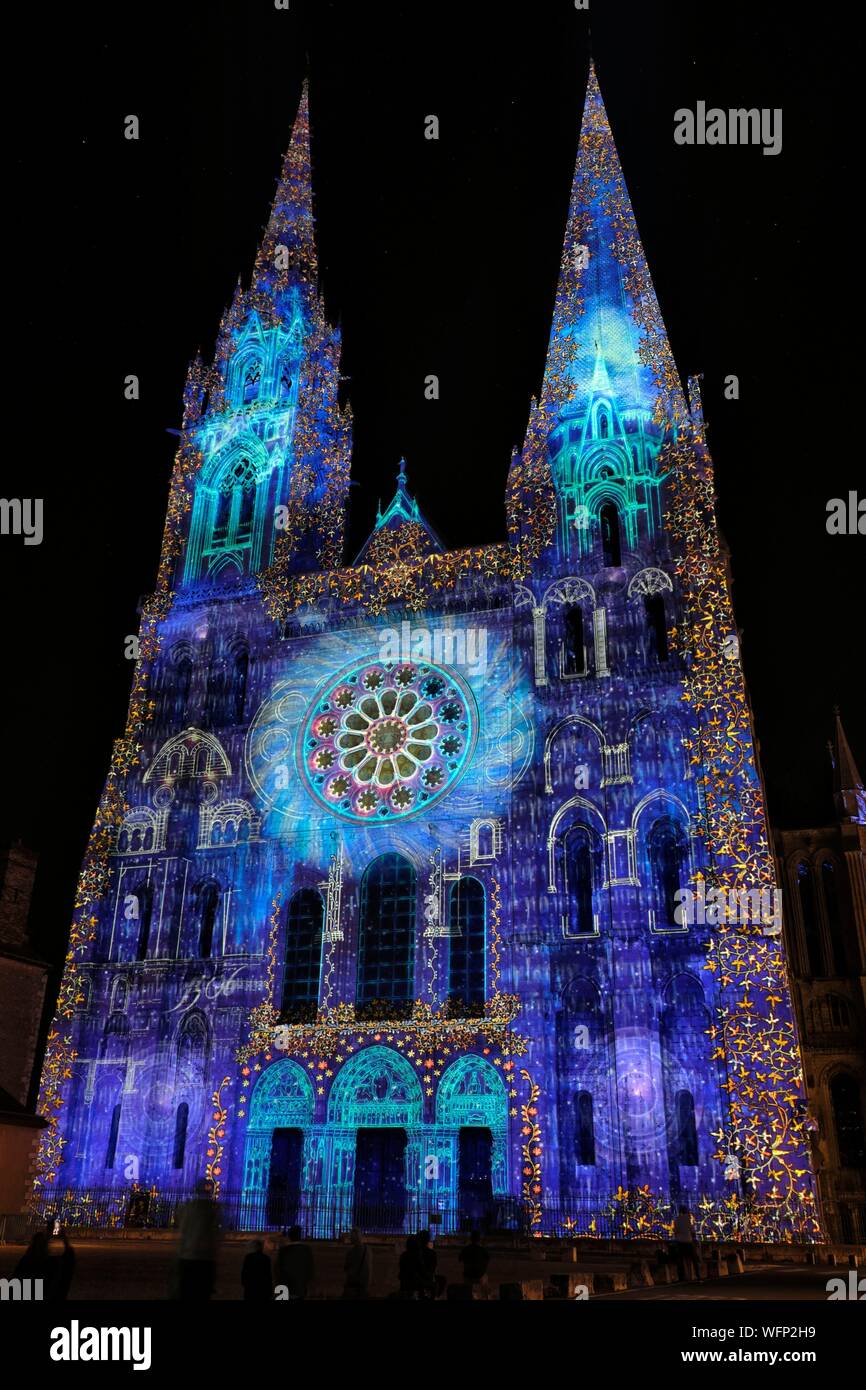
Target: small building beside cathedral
point(823, 873)
point(431, 886)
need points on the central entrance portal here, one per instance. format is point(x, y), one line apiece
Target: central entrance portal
point(380, 1179)
point(284, 1178)
point(475, 1176)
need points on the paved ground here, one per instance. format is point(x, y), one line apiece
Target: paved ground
point(140, 1269)
point(765, 1283)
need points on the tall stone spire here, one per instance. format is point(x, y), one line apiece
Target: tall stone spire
point(605, 304)
point(288, 250)
point(848, 787)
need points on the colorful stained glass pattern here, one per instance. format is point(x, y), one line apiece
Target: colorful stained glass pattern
point(387, 739)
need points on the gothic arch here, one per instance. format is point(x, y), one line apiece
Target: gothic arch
point(386, 940)
point(119, 995)
point(575, 803)
point(283, 1098)
point(659, 794)
point(376, 1087)
point(229, 823)
point(244, 459)
point(649, 581)
point(571, 589)
point(557, 730)
point(141, 832)
point(192, 753)
point(193, 1041)
point(472, 1092)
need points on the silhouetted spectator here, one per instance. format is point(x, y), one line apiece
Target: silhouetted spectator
point(36, 1262)
point(685, 1244)
point(358, 1267)
point(62, 1270)
point(428, 1260)
point(257, 1275)
point(198, 1244)
point(410, 1269)
point(295, 1264)
point(475, 1259)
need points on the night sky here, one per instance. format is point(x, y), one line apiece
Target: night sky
point(438, 257)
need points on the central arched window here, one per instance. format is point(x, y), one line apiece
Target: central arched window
point(303, 961)
point(466, 965)
point(386, 948)
point(668, 863)
point(610, 543)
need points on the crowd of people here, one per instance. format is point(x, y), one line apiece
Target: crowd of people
point(285, 1269)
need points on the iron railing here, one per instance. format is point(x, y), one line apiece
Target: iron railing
point(620, 1217)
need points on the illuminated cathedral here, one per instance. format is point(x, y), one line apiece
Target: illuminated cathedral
point(380, 920)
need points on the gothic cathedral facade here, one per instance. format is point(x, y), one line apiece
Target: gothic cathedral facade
point(383, 917)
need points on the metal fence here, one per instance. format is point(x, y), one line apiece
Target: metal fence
point(620, 1217)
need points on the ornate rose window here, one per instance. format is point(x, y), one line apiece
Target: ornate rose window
point(387, 739)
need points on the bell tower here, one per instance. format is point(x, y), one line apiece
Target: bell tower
point(264, 418)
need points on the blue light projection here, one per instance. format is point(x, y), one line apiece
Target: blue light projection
point(377, 920)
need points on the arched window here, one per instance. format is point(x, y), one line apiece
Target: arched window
point(192, 1043)
point(484, 847)
point(610, 544)
point(811, 927)
point(304, 923)
point(285, 381)
point(667, 857)
point(684, 1139)
point(119, 995)
point(584, 1130)
point(387, 932)
point(574, 651)
point(239, 683)
point(181, 1120)
point(223, 514)
point(657, 632)
point(252, 376)
point(580, 880)
point(834, 920)
point(113, 1131)
point(247, 508)
point(145, 907)
point(848, 1120)
point(829, 1014)
point(182, 683)
point(209, 898)
point(466, 965)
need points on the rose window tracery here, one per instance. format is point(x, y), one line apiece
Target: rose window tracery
point(387, 738)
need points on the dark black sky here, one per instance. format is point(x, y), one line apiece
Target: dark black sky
point(438, 257)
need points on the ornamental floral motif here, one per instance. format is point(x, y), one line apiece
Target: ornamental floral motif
point(387, 739)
